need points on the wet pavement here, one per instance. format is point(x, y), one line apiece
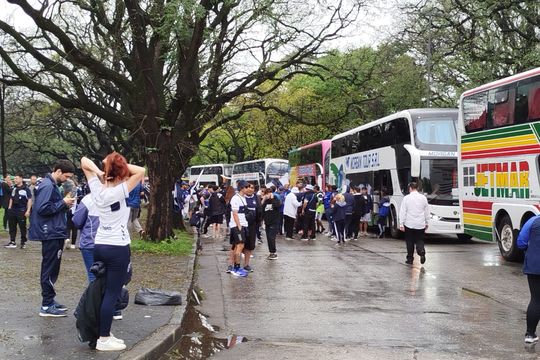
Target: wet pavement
point(25, 335)
point(362, 302)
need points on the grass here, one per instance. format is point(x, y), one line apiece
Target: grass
point(180, 245)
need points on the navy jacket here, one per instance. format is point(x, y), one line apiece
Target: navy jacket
point(349, 199)
point(48, 218)
point(529, 240)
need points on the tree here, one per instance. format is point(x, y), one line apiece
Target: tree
point(164, 70)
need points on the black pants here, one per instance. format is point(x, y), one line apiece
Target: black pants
point(51, 257)
point(414, 237)
point(309, 224)
point(339, 228)
point(71, 228)
point(533, 310)
point(17, 218)
point(5, 218)
point(299, 222)
point(354, 227)
point(271, 233)
point(289, 226)
point(348, 220)
point(280, 224)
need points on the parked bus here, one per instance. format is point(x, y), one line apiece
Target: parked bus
point(261, 172)
point(499, 136)
point(213, 174)
point(386, 154)
point(310, 163)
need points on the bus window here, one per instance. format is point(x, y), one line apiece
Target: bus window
point(383, 181)
point(501, 106)
point(527, 107)
point(475, 112)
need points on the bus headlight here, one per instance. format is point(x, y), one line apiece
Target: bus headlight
point(434, 217)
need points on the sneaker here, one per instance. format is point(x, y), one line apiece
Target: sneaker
point(239, 272)
point(304, 239)
point(72, 247)
point(248, 268)
point(259, 242)
point(109, 345)
point(10, 245)
point(52, 311)
point(60, 306)
point(116, 339)
point(530, 338)
point(355, 239)
point(117, 315)
point(23, 246)
point(422, 259)
point(408, 262)
point(272, 256)
point(289, 239)
point(381, 236)
point(229, 269)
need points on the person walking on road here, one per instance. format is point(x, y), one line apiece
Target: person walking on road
point(134, 204)
point(217, 206)
point(309, 208)
point(367, 208)
point(413, 220)
point(19, 207)
point(239, 229)
point(6, 187)
point(384, 211)
point(529, 241)
point(254, 207)
point(270, 206)
point(290, 211)
point(110, 190)
point(339, 206)
point(48, 225)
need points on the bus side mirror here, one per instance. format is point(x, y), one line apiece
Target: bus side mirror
point(415, 160)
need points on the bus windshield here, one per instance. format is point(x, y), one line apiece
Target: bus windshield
point(438, 177)
point(305, 156)
point(436, 132)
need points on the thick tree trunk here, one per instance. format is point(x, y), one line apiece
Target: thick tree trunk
point(3, 129)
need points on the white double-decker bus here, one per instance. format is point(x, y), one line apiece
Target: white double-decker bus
point(386, 154)
point(499, 137)
point(261, 172)
point(212, 174)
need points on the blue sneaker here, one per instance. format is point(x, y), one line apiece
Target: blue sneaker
point(239, 272)
point(60, 306)
point(52, 311)
point(248, 268)
point(117, 315)
point(229, 269)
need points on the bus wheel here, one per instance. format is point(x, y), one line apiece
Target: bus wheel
point(464, 238)
point(508, 240)
point(394, 226)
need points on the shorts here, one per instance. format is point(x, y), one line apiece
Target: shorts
point(251, 236)
point(366, 217)
point(318, 216)
point(238, 236)
point(216, 219)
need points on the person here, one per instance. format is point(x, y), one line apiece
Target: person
point(357, 213)
point(134, 204)
point(48, 225)
point(289, 212)
point(349, 199)
point(33, 183)
point(217, 208)
point(239, 229)
point(111, 245)
point(339, 206)
point(309, 208)
point(271, 204)
point(331, 191)
point(70, 188)
point(367, 208)
point(320, 209)
point(86, 218)
point(413, 220)
point(253, 205)
point(7, 185)
point(384, 211)
point(20, 203)
point(529, 241)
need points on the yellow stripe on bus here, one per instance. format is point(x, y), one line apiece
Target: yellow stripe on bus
point(497, 143)
point(475, 219)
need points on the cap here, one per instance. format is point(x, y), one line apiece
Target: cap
point(309, 187)
point(242, 184)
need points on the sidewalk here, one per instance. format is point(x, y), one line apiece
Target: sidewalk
point(25, 335)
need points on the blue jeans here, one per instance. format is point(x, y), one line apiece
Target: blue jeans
point(116, 260)
point(328, 213)
point(88, 258)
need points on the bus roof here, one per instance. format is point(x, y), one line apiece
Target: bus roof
point(503, 81)
point(264, 159)
point(208, 165)
point(311, 145)
point(411, 112)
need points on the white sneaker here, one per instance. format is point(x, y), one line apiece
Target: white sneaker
point(116, 339)
point(110, 345)
point(72, 247)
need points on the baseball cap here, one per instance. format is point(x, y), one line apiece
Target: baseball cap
point(242, 184)
point(309, 187)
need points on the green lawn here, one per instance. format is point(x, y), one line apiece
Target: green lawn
point(181, 245)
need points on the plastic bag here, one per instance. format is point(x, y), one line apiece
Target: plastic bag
point(147, 296)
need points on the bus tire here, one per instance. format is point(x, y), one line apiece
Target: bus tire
point(394, 226)
point(507, 240)
point(464, 238)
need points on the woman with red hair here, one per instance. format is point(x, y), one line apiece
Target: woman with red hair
point(109, 190)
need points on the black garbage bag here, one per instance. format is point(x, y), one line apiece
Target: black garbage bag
point(147, 296)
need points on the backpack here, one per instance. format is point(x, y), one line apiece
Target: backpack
point(384, 209)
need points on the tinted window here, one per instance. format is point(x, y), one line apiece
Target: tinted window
point(207, 170)
point(527, 104)
point(309, 155)
point(475, 112)
point(501, 107)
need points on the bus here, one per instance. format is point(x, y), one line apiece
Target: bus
point(499, 137)
point(261, 172)
point(309, 163)
point(387, 154)
point(212, 174)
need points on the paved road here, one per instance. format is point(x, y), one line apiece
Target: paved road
point(363, 302)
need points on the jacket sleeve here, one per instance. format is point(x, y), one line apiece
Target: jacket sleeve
point(525, 233)
point(403, 211)
point(44, 206)
point(80, 215)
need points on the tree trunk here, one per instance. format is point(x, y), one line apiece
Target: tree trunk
point(3, 129)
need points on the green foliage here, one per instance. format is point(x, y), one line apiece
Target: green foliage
point(180, 245)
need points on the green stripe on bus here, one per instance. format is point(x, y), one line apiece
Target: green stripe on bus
point(479, 234)
point(536, 129)
point(503, 131)
point(497, 136)
point(479, 228)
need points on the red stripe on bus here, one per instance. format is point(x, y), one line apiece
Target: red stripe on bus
point(496, 153)
point(476, 211)
point(485, 205)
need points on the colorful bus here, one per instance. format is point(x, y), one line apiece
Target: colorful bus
point(499, 136)
point(386, 154)
point(261, 172)
point(310, 163)
point(212, 174)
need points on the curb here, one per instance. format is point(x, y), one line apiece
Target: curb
point(163, 338)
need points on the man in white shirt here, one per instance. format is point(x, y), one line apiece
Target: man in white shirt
point(413, 220)
point(239, 229)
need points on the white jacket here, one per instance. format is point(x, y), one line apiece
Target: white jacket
point(291, 205)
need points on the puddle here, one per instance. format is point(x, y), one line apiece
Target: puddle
point(199, 340)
